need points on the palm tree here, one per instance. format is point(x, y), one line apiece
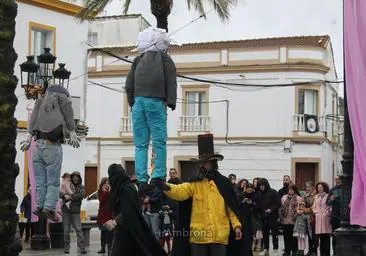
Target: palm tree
point(8, 169)
point(161, 8)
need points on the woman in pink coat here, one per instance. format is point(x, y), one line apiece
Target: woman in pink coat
point(323, 228)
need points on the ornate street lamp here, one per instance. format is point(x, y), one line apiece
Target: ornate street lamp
point(28, 77)
point(62, 75)
point(47, 64)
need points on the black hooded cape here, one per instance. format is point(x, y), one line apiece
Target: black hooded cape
point(181, 245)
point(133, 237)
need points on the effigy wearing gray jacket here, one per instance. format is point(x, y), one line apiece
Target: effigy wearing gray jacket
point(52, 110)
point(152, 74)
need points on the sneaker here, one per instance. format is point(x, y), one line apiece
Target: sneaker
point(66, 251)
point(83, 252)
point(263, 253)
point(50, 215)
point(101, 251)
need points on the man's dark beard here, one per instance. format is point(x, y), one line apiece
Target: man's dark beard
point(205, 173)
point(202, 172)
point(286, 185)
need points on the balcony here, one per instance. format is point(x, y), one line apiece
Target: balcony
point(126, 126)
point(189, 124)
point(299, 125)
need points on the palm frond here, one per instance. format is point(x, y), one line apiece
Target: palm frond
point(126, 6)
point(221, 7)
point(92, 7)
point(198, 6)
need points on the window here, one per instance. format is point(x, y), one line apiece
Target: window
point(307, 102)
point(93, 38)
point(195, 116)
point(130, 167)
point(41, 36)
point(196, 103)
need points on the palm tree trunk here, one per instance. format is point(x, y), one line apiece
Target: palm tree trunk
point(8, 169)
point(162, 22)
point(161, 10)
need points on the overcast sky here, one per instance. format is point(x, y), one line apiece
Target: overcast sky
point(253, 19)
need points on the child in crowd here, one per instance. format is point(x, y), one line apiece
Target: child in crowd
point(302, 228)
point(66, 187)
point(166, 226)
point(146, 206)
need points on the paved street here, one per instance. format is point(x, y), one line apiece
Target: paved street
point(92, 249)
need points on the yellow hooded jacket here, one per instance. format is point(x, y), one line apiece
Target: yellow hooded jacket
point(210, 217)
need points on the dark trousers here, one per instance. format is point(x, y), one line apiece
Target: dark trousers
point(289, 239)
point(313, 241)
point(324, 244)
point(208, 250)
point(29, 229)
point(336, 223)
point(106, 239)
point(270, 225)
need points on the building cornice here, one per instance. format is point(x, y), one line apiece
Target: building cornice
point(55, 5)
point(226, 69)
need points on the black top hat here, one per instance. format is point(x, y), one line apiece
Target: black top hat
point(206, 149)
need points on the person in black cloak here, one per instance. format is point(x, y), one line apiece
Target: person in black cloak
point(132, 235)
point(209, 212)
point(246, 200)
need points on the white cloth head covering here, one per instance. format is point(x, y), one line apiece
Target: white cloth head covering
point(152, 39)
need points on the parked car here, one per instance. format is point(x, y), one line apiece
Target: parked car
point(91, 205)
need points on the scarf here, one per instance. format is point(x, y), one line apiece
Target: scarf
point(289, 206)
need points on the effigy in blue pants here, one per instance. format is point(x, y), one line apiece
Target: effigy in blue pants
point(149, 120)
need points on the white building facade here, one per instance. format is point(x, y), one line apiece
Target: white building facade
point(52, 24)
point(116, 30)
point(261, 131)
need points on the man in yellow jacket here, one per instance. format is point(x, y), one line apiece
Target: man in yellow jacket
point(214, 212)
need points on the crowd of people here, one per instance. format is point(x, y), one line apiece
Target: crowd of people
point(307, 219)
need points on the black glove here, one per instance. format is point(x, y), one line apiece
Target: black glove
point(161, 185)
point(171, 106)
point(119, 219)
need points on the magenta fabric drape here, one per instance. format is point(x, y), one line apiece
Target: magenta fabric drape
point(355, 66)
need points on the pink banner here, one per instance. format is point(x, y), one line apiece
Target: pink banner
point(355, 64)
point(32, 180)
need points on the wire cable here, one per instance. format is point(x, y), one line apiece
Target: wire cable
point(213, 82)
point(227, 117)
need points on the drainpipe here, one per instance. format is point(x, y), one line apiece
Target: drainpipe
point(98, 160)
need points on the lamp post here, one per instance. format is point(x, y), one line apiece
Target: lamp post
point(62, 75)
point(34, 80)
point(28, 76)
point(351, 240)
